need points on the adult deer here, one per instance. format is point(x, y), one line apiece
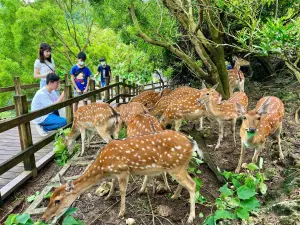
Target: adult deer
point(187, 108)
point(225, 111)
point(259, 124)
point(100, 117)
point(236, 76)
point(129, 110)
point(149, 98)
point(166, 151)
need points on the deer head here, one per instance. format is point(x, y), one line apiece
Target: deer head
point(238, 62)
point(204, 98)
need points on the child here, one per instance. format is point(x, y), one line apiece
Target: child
point(80, 77)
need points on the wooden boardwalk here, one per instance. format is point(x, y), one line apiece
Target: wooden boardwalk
point(10, 146)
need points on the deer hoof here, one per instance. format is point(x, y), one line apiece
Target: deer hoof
point(107, 197)
point(175, 196)
point(190, 219)
point(121, 214)
point(141, 192)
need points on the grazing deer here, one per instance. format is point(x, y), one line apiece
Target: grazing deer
point(236, 76)
point(258, 124)
point(95, 116)
point(164, 102)
point(225, 111)
point(140, 125)
point(127, 111)
point(165, 151)
point(187, 108)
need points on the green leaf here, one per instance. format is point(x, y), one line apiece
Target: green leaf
point(252, 167)
point(31, 198)
point(69, 220)
point(223, 214)
point(201, 215)
point(263, 188)
point(70, 211)
point(225, 190)
point(236, 183)
point(48, 195)
point(250, 204)
point(11, 219)
point(22, 219)
point(198, 183)
point(242, 213)
point(245, 192)
point(209, 221)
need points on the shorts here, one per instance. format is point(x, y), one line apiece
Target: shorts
point(77, 94)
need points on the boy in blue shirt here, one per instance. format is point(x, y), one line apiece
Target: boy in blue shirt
point(104, 71)
point(80, 77)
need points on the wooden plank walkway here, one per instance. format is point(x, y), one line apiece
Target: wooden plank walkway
point(10, 146)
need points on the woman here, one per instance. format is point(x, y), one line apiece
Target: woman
point(44, 64)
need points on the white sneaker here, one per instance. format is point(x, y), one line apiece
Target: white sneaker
point(41, 130)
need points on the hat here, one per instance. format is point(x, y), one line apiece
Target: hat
point(102, 59)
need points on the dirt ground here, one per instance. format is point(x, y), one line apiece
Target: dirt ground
point(93, 209)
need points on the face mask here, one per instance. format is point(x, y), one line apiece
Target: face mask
point(103, 63)
point(81, 63)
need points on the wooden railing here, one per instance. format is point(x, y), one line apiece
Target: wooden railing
point(113, 92)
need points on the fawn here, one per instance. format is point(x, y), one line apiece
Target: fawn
point(259, 124)
point(127, 111)
point(225, 111)
point(95, 116)
point(165, 151)
point(187, 107)
point(236, 76)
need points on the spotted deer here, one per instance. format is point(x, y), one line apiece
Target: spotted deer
point(225, 111)
point(140, 125)
point(127, 111)
point(236, 76)
point(165, 151)
point(99, 117)
point(187, 108)
point(164, 102)
point(149, 98)
point(260, 123)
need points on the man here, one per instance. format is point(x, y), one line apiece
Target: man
point(104, 71)
point(43, 98)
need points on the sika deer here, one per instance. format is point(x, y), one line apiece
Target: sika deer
point(258, 124)
point(225, 111)
point(96, 116)
point(236, 76)
point(187, 107)
point(149, 98)
point(127, 111)
point(165, 151)
point(141, 125)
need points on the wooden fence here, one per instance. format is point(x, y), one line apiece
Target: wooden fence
point(113, 92)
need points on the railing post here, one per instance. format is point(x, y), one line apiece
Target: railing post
point(117, 89)
point(106, 93)
point(92, 88)
point(137, 89)
point(133, 89)
point(152, 83)
point(124, 90)
point(69, 108)
point(25, 135)
point(129, 90)
point(142, 88)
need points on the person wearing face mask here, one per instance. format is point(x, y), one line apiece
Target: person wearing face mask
point(44, 64)
point(80, 77)
point(104, 71)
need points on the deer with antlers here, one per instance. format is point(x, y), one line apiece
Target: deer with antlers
point(129, 110)
point(236, 76)
point(165, 151)
point(258, 124)
point(99, 117)
point(225, 111)
point(187, 108)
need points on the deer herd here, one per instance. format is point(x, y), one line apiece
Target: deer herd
point(151, 150)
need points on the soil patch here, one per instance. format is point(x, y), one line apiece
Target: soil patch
point(75, 170)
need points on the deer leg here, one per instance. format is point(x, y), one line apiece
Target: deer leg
point(82, 133)
point(176, 194)
point(144, 185)
point(166, 181)
point(153, 185)
point(221, 133)
point(123, 181)
point(242, 85)
point(178, 124)
point(200, 124)
point(238, 168)
point(281, 156)
point(186, 181)
point(257, 153)
point(102, 130)
point(112, 189)
point(233, 123)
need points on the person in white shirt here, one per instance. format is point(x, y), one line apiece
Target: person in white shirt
point(43, 98)
point(44, 64)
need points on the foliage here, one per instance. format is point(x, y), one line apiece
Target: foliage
point(122, 133)
point(238, 197)
point(24, 219)
point(31, 198)
point(48, 195)
point(62, 154)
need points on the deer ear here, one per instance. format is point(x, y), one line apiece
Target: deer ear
point(234, 58)
point(215, 86)
point(61, 179)
point(69, 186)
point(240, 109)
point(264, 108)
point(203, 85)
